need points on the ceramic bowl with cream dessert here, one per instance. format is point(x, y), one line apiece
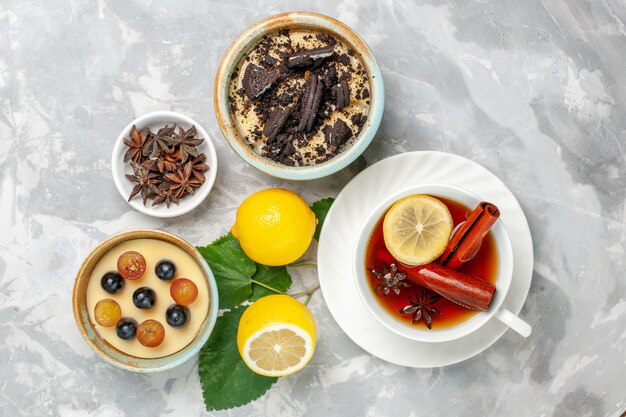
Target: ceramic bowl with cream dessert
point(299, 95)
point(434, 263)
point(145, 300)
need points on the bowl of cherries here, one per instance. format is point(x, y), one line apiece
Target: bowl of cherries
point(145, 300)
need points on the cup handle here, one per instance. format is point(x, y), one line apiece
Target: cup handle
point(514, 322)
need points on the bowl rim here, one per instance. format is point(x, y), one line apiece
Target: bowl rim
point(505, 269)
point(245, 41)
point(119, 167)
point(133, 363)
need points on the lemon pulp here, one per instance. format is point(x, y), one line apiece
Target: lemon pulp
point(417, 229)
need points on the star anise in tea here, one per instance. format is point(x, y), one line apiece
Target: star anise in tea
point(422, 307)
point(392, 279)
point(146, 182)
point(183, 182)
point(186, 142)
point(136, 144)
point(166, 164)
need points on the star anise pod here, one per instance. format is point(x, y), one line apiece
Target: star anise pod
point(392, 279)
point(198, 167)
point(422, 307)
point(136, 144)
point(162, 142)
point(167, 166)
point(160, 165)
point(182, 181)
point(146, 182)
point(186, 143)
point(165, 194)
point(151, 164)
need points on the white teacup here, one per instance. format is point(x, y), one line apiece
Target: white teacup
point(503, 280)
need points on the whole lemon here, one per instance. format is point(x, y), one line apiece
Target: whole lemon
point(274, 226)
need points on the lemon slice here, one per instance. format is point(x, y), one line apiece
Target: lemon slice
point(417, 229)
point(276, 336)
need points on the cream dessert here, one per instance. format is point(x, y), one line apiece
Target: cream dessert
point(300, 97)
point(147, 298)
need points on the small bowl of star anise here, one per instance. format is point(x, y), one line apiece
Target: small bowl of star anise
point(164, 164)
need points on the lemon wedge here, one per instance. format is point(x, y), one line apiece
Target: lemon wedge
point(417, 229)
point(276, 336)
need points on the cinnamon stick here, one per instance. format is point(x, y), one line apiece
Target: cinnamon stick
point(466, 241)
point(463, 289)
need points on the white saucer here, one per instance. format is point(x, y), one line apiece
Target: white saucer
point(340, 231)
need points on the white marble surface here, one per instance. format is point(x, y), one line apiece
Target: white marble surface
point(533, 90)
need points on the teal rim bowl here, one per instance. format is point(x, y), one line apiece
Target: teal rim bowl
point(300, 20)
point(117, 357)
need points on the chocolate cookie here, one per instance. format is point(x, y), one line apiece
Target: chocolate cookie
point(337, 134)
point(276, 121)
point(309, 57)
point(342, 94)
point(257, 80)
point(310, 103)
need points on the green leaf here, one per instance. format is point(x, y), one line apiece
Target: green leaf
point(226, 240)
point(232, 269)
point(276, 277)
point(226, 380)
point(320, 208)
